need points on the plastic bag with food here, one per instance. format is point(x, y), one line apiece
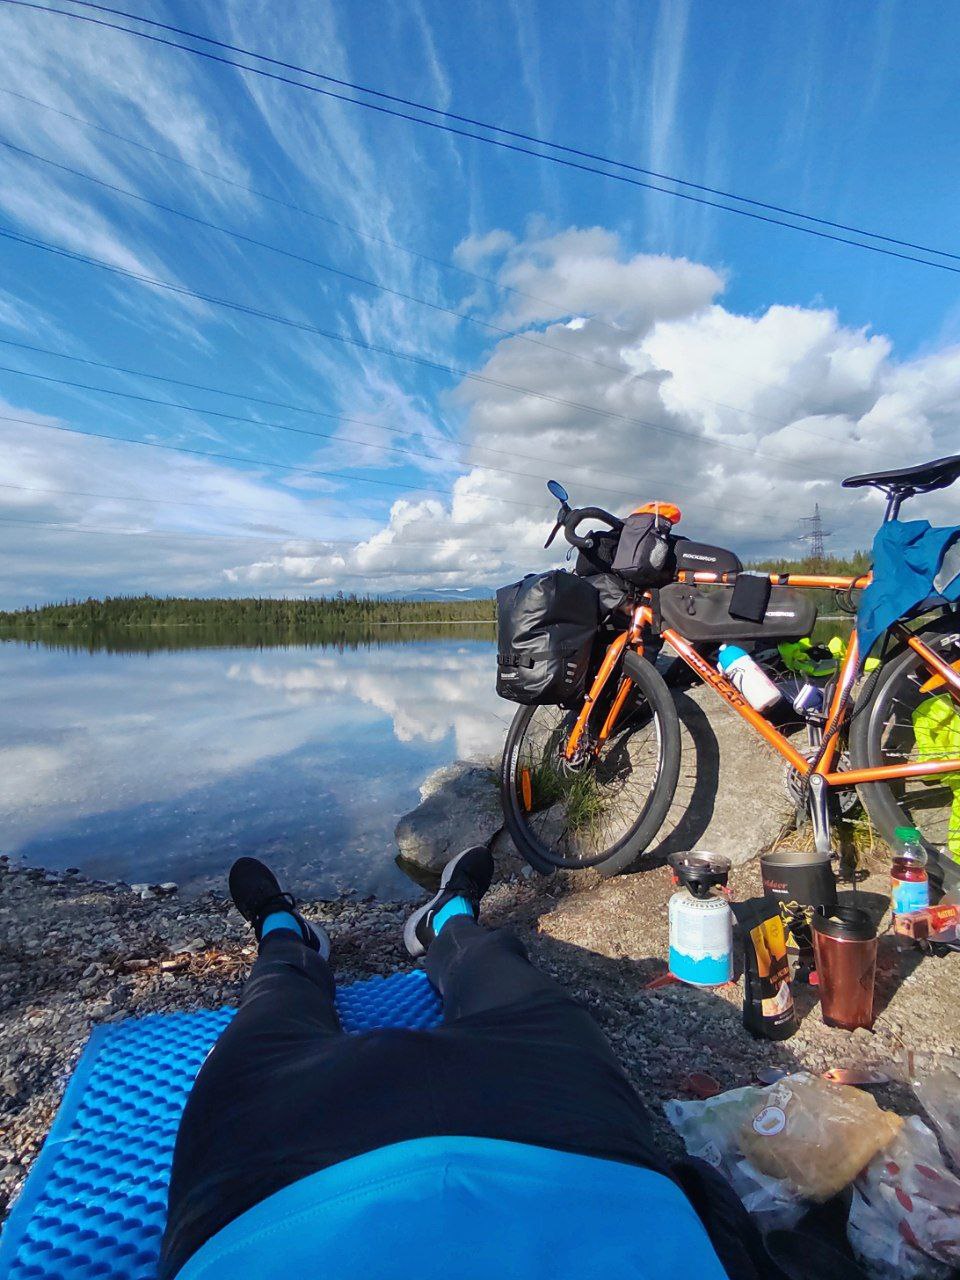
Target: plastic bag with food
point(799, 1140)
point(710, 1131)
point(905, 1218)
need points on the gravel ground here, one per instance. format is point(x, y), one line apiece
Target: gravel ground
point(75, 952)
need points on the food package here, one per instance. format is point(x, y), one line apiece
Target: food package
point(798, 1140)
point(816, 1135)
point(905, 1218)
point(710, 1131)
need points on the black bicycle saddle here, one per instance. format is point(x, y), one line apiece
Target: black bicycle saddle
point(922, 479)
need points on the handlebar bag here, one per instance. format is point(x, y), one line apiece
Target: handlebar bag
point(599, 557)
point(644, 553)
point(702, 614)
point(546, 624)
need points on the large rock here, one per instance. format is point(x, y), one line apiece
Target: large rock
point(731, 797)
point(459, 806)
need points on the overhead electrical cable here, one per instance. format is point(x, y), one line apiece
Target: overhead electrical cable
point(510, 133)
point(628, 375)
point(490, 141)
point(249, 460)
point(575, 471)
point(559, 309)
point(393, 353)
point(241, 510)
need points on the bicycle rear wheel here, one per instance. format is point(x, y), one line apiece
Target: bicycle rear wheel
point(603, 811)
point(902, 724)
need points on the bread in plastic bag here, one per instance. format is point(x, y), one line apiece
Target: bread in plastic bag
point(710, 1132)
point(816, 1135)
point(782, 1146)
point(905, 1217)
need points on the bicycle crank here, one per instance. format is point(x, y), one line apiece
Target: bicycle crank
point(796, 785)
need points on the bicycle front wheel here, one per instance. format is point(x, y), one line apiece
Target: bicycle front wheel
point(904, 724)
point(604, 810)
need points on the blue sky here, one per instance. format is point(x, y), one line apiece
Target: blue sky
point(743, 369)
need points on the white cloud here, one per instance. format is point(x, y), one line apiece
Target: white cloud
point(653, 389)
point(745, 421)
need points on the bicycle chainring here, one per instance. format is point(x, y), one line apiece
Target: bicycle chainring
point(795, 785)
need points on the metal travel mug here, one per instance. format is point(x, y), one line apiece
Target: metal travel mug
point(845, 946)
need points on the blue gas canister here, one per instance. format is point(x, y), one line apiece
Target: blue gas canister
point(701, 922)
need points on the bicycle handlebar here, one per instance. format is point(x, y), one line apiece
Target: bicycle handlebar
point(578, 515)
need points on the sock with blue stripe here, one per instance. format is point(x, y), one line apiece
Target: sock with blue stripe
point(455, 907)
point(280, 920)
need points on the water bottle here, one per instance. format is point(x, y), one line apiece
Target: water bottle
point(909, 885)
point(748, 677)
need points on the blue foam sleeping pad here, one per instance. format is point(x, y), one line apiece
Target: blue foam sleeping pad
point(94, 1205)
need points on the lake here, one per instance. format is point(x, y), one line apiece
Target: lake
point(163, 755)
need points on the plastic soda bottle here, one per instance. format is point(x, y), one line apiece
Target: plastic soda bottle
point(909, 885)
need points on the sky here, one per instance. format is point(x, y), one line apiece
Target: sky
point(402, 333)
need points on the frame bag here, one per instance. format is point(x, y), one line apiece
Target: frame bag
point(703, 616)
point(546, 624)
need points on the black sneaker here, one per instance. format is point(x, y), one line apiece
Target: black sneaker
point(256, 893)
point(468, 875)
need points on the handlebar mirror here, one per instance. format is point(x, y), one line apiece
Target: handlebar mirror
point(558, 491)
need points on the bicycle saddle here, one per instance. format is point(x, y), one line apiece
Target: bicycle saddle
point(922, 479)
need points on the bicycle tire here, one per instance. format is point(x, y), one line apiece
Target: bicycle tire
point(882, 801)
point(650, 686)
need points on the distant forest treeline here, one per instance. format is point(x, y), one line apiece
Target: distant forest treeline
point(832, 566)
point(324, 614)
point(327, 615)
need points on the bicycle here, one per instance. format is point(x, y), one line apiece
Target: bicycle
point(590, 784)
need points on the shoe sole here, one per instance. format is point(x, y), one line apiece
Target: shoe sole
point(414, 946)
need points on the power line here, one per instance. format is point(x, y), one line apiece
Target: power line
point(566, 352)
point(409, 357)
point(626, 374)
point(165, 534)
point(326, 266)
point(495, 142)
point(512, 133)
point(313, 213)
point(323, 435)
point(247, 461)
point(558, 308)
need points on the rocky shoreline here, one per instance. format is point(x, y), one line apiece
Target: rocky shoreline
point(75, 952)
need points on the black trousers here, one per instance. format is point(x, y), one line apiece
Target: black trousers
point(284, 1093)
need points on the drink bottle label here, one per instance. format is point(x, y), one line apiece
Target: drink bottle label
point(909, 895)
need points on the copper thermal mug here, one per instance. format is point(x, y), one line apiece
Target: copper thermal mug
point(845, 947)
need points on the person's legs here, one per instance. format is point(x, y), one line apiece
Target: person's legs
point(540, 1069)
point(243, 1104)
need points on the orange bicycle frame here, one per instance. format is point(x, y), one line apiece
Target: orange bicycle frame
point(837, 713)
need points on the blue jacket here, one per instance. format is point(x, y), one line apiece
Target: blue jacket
point(906, 557)
point(466, 1209)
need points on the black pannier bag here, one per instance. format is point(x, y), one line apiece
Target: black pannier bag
point(645, 551)
point(546, 625)
point(702, 614)
point(700, 557)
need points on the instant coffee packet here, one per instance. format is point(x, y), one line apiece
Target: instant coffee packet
point(768, 1010)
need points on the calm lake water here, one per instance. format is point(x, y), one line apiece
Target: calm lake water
point(131, 759)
